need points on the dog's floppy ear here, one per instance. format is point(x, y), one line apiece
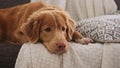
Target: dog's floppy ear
point(70, 28)
point(71, 25)
point(31, 30)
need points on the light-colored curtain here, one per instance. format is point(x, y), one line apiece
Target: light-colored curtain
point(81, 9)
point(60, 3)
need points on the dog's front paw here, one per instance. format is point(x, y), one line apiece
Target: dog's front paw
point(84, 40)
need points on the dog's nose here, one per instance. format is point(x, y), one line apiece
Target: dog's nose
point(61, 46)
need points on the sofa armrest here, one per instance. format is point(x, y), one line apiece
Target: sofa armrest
point(10, 3)
point(8, 55)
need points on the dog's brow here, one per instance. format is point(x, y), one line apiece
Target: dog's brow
point(60, 22)
point(53, 16)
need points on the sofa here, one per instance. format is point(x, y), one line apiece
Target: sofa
point(9, 52)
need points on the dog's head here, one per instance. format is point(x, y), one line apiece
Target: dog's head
point(53, 27)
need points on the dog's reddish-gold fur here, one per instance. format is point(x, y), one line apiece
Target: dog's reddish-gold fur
point(34, 22)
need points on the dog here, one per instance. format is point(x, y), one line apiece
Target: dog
point(39, 22)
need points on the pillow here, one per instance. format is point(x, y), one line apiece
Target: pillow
point(101, 29)
point(116, 12)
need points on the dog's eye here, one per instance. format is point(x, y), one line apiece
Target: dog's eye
point(48, 29)
point(63, 28)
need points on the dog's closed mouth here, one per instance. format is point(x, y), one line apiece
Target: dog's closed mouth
point(60, 51)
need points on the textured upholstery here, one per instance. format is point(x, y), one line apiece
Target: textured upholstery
point(8, 55)
point(10, 3)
